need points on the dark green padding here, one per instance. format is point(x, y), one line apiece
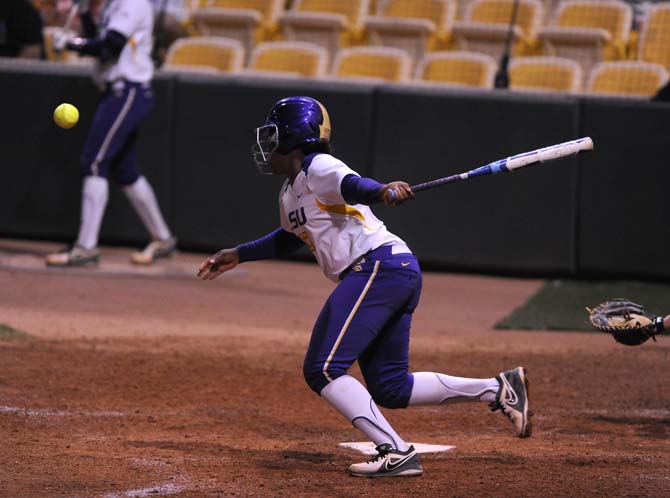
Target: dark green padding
point(560, 304)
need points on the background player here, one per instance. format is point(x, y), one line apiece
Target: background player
point(124, 69)
point(324, 204)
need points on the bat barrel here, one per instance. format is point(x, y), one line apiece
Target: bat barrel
point(550, 153)
point(545, 154)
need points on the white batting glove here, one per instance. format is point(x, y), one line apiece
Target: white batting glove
point(60, 41)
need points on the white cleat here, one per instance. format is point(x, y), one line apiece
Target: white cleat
point(73, 256)
point(389, 462)
point(155, 250)
point(512, 399)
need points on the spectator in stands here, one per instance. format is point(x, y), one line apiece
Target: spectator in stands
point(641, 11)
point(20, 30)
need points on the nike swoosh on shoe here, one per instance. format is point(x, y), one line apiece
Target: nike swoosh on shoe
point(388, 465)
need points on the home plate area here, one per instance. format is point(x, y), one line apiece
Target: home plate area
point(368, 447)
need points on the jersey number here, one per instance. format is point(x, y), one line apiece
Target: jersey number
point(297, 218)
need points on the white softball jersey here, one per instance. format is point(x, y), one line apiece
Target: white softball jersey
point(135, 20)
point(337, 233)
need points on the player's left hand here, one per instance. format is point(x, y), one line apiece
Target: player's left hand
point(395, 193)
point(222, 261)
point(628, 322)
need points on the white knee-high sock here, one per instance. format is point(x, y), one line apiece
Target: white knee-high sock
point(143, 199)
point(95, 193)
point(431, 388)
point(351, 399)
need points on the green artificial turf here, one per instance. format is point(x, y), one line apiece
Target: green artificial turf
point(560, 304)
point(7, 332)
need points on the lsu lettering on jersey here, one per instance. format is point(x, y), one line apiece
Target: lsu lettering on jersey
point(337, 233)
point(135, 20)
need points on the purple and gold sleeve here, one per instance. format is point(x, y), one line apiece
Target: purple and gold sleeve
point(358, 190)
point(272, 245)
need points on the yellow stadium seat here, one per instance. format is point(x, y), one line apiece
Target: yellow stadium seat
point(205, 53)
point(654, 45)
point(415, 26)
point(457, 68)
point(627, 79)
point(249, 21)
point(462, 8)
point(485, 27)
point(288, 58)
point(550, 9)
point(196, 4)
point(330, 23)
point(588, 31)
point(372, 63)
point(546, 74)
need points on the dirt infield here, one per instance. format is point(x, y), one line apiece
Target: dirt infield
point(141, 383)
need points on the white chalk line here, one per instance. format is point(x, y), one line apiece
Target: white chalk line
point(110, 266)
point(156, 490)
point(39, 412)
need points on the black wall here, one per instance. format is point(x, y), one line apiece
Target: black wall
point(624, 191)
point(519, 222)
point(222, 197)
point(601, 212)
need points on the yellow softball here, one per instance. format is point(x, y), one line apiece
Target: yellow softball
point(66, 115)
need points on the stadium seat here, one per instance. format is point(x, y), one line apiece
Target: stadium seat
point(654, 44)
point(627, 79)
point(198, 53)
point(249, 21)
point(550, 7)
point(547, 74)
point(588, 31)
point(414, 26)
point(288, 58)
point(457, 68)
point(330, 23)
point(372, 63)
point(486, 26)
point(462, 7)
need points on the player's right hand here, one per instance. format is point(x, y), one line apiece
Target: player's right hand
point(395, 193)
point(76, 44)
point(222, 261)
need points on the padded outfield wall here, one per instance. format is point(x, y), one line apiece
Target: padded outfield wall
point(600, 213)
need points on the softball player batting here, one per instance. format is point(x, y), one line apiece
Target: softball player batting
point(122, 45)
point(324, 204)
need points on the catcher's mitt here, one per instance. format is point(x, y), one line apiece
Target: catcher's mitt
point(627, 321)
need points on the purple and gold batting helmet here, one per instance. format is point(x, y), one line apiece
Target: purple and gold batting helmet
point(292, 122)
